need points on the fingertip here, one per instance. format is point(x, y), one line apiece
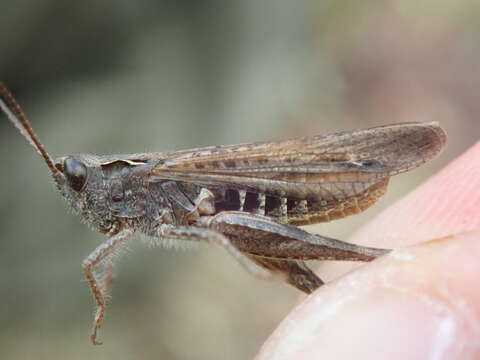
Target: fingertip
point(419, 302)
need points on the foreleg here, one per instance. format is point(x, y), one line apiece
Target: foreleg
point(100, 254)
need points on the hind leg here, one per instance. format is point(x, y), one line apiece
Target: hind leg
point(294, 272)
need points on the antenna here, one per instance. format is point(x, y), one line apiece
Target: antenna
point(15, 114)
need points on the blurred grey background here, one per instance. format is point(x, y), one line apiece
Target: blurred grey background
point(134, 76)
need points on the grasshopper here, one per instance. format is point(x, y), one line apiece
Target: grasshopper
point(247, 198)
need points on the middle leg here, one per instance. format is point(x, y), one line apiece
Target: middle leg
point(212, 236)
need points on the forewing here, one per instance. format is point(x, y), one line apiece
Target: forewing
point(336, 165)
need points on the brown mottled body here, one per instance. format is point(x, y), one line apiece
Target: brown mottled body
point(246, 198)
point(298, 211)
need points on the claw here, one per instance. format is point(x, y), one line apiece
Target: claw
point(93, 337)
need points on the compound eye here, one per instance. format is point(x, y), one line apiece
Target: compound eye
point(76, 173)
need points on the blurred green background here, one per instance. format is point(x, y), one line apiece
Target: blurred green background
point(135, 76)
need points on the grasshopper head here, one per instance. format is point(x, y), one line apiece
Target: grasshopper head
point(80, 182)
point(77, 177)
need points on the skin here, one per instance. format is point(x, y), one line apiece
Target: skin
point(422, 301)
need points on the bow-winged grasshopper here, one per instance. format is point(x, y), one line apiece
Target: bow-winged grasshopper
point(247, 198)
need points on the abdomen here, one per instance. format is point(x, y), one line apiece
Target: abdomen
point(298, 211)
